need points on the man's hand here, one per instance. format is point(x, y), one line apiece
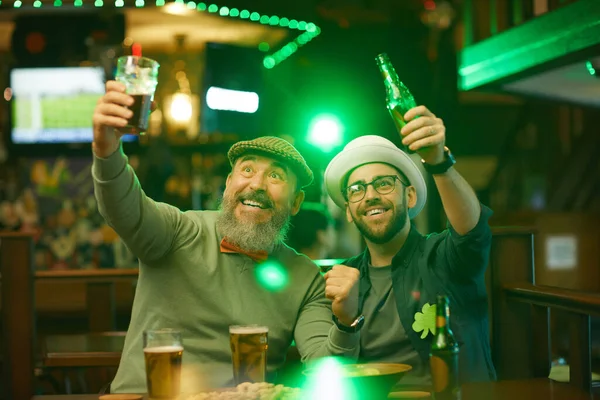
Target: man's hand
point(425, 135)
point(110, 117)
point(341, 287)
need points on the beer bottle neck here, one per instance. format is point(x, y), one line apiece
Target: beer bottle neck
point(390, 77)
point(442, 318)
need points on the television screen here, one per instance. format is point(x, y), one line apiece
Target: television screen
point(55, 105)
point(232, 87)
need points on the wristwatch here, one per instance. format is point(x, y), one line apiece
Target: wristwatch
point(353, 328)
point(442, 167)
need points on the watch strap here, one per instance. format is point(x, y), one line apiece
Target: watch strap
point(442, 167)
point(353, 328)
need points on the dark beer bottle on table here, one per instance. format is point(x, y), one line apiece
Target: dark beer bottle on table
point(398, 98)
point(443, 358)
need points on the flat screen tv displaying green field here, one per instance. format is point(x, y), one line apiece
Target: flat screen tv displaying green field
point(54, 105)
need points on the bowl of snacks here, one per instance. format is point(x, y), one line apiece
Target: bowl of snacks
point(251, 391)
point(372, 381)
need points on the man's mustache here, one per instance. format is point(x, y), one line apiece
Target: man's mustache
point(259, 197)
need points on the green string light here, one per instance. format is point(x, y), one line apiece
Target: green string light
point(269, 61)
point(286, 51)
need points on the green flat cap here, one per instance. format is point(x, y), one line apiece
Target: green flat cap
point(277, 148)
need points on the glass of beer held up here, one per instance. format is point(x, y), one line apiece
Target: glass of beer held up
point(140, 77)
point(249, 345)
point(163, 350)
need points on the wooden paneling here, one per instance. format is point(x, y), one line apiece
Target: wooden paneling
point(583, 227)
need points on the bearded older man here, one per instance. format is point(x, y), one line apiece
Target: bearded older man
point(197, 268)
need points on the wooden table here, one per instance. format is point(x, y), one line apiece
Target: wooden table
point(541, 389)
point(101, 349)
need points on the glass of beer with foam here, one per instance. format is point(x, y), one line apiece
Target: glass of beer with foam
point(140, 77)
point(163, 350)
point(249, 345)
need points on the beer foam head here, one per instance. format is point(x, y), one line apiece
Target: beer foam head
point(163, 349)
point(248, 330)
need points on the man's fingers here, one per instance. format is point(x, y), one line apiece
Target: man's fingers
point(114, 110)
point(110, 121)
point(418, 111)
point(115, 86)
point(332, 292)
point(416, 124)
point(335, 281)
point(117, 98)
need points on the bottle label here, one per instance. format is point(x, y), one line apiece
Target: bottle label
point(444, 374)
point(440, 321)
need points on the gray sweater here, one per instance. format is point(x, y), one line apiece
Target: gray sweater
point(187, 283)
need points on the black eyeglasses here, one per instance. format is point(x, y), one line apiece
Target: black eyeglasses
point(383, 185)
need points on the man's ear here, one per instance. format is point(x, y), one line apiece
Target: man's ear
point(321, 236)
point(298, 199)
point(228, 179)
point(411, 196)
point(348, 214)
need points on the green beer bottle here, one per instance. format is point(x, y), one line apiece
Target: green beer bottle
point(443, 358)
point(398, 98)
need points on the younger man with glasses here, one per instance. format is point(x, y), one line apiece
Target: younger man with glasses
point(402, 271)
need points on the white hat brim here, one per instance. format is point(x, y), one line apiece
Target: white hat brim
point(349, 159)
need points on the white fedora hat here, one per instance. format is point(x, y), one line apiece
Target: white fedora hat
point(373, 149)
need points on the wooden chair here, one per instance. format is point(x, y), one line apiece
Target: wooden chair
point(18, 323)
point(22, 365)
point(520, 314)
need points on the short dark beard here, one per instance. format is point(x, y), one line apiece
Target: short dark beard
point(251, 236)
point(396, 225)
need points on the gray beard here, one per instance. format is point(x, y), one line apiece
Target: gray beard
point(248, 235)
point(398, 222)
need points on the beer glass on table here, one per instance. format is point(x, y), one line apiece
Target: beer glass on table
point(249, 345)
point(140, 77)
point(163, 350)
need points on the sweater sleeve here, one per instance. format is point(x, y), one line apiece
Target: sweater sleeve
point(315, 334)
point(149, 229)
